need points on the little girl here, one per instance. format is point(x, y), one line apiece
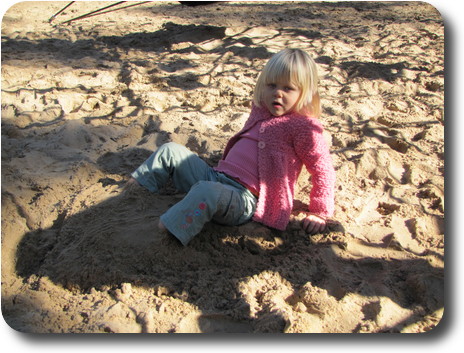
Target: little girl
point(256, 177)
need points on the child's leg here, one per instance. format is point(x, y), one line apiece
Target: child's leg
point(172, 160)
point(225, 203)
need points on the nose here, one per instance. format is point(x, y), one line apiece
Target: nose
point(277, 93)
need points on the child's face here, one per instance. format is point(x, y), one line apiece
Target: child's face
point(281, 97)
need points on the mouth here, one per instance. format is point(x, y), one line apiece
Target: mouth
point(276, 104)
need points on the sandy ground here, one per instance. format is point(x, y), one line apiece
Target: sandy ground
point(83, 104)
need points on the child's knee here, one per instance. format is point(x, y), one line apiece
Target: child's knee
point(206, 193)
point(171, 147)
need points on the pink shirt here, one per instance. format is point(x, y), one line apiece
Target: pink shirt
point(241, 162)
point(286, 143)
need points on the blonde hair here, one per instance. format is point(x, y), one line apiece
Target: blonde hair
point(298, 68)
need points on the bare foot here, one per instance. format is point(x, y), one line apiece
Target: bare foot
point(162, 227)
point(131, 185)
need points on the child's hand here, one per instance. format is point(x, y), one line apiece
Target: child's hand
point(313, 224)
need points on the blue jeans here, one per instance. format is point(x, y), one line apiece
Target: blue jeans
point(211, 195)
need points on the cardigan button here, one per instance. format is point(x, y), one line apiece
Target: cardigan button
point(262, 129)
point(261, 144)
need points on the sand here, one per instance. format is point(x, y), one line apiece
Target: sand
point(84, 103)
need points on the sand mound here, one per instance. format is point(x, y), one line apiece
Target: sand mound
point(84, 104)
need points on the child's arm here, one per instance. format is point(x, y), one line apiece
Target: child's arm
point(312, 148)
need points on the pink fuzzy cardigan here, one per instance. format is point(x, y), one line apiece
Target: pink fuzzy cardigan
point(286, 143)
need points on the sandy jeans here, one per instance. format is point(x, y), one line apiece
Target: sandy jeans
point(210, 195)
